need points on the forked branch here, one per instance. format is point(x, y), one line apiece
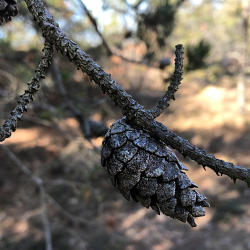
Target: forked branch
point(134, 112)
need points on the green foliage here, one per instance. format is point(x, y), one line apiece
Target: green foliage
point(46, 115)
point(213, 74)
point(4, 44)
point(157, 23)
point(197, 55)
point(159, 20)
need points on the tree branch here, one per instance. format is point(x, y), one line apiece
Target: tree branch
point(161, 132)
point(52, 33)
point(136, 5)
point(133, 110)
point(174, 83)
point(46, 224)
point(89, 128)
point(110, 52)
point(43, 195)
point(94, 23)
point(178, 3)
point(33, 86)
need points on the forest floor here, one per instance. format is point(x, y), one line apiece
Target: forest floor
point(86, 212)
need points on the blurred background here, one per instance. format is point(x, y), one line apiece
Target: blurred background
point(59, 138)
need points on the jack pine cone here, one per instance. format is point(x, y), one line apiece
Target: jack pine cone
point(8, 9)
point(149, 172)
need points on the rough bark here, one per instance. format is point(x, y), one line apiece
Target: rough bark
point(135, 113)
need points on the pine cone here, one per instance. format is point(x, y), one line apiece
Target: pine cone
point(149, 172)
point(8, 9)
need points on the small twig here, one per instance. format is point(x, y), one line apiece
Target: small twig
point(58, 182)
point(129, 60)
point(174, 83)
point(96, 149)
point(16, 114)
point(57, 78)
point(71, 183)
point(38, 182)
point(35, 179)
point(46, 224)
point(94, 23)
point(178, 3)
point(88, 127)
point(136, 5)
point(110, 52)
point(12, 79)
point(75, 219)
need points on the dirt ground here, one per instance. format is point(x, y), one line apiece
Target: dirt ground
point(86, 212)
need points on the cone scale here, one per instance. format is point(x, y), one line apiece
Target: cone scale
point(149, 172)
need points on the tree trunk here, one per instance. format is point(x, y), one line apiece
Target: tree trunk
point(241, 86)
